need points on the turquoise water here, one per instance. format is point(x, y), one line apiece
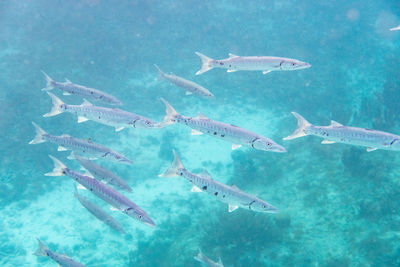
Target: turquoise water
point(338, 204)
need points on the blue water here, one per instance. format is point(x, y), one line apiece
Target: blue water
point(338, 204)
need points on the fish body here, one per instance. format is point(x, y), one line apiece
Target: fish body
point(207, 261)
point(103, 174)
point(70, 88)
point(260, 63)
point(62, 260)
point(103, 191)
point(338, 133)
point(189, 86)
point(78, 146)
point(114, 117)
point(99, 213)
point(234, 134)
point(231, 195)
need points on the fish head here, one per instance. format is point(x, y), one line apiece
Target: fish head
point(267, 145)
point(140, 215)
point(293, 64)
point(262, 206)
point(395, 144)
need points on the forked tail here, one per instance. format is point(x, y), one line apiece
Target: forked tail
point(175, 166)
point(207, 63)
point(42, 249)
point(49, 82)
point(57, 106)
point(171, 113)
point(39, 138)
point(302, 125)
point(59, 168)
point(160, 72)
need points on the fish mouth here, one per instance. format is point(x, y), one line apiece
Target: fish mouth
point(273, 210)
point(126, 161)
point(305, 65)
point(279, 149)
point(149, 222)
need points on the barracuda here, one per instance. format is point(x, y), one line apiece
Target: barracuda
point(103, 191)
point(337, 133)
point(114, 117)
point(231, 195)
point(228, 132)
point(78, 146)
point(207, 261)
point(70, 88)
point(260, 63)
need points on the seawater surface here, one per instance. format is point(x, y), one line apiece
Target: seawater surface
point(339, 205)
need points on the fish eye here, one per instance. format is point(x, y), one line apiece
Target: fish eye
point(117, 157)
point(293, 64)
point(264, 206)
point(269, 144)
point(140, 216)
point(147, 123)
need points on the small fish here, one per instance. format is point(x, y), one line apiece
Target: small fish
point(189, 86)
point(337, 133)
point(395, 28)
point(99, 213)
point(114, 117)
point(231, 133)
point(78, 146)
point(103, 174)
point(264, 64)
point(103, 191)
point(70, 88)
point(62, 260)
point(207, 261)
point(231, 195)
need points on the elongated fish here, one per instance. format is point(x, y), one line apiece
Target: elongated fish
point(189, 86)
point(99, 213)
point(207, 261)
point(337, 133)
point(264, 64)
point(231, 195)
point(103, 191)
point(78, 146)
point(395, 28)
point(114, 117)
point(62, 260)
point(70, 88)
point(103, 174)
point(238, 136)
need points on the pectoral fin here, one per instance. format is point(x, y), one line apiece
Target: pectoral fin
point(235, 146)
point(232, 208)
point(195, 132)
point(117, 129)
point(327, 142)
point(336, 124)
point(81, 187)
point(188, 93)
point(71, 156)
point(66, 93)
point(61, 148)
point(195, 189)
point(266, 71)
point(371, 149)
point(231, 70)
point(114, 209)
point(82, 119)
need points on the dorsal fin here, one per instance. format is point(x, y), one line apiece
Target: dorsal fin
point(65, 135)
point(205, 174)
point(235, 187)
point(68, 81)
point(86, 103)
point(232, 55)
point(335, 123)
point(202, 116)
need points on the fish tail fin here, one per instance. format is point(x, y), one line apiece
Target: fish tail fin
point(59, 168)
point(175, 166)
point(200, 256)
point(171, 113)
point(206, 61)
point(39, 135)
point(50, 82)
point(56, 109)
point(42, 249)
point(302, 125)
point(160, 72)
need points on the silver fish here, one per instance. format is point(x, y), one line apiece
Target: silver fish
point(99, 213)
point(189, 86)
point(78, 146)
point(114, 117)
point(70, 88)
point(103, 191)
point(62, 260)
point(103, 174)
point(231, 195)
point(337, 133)
point(261, 63)
point(207, 261)
point(395, 28)
point(234, 134)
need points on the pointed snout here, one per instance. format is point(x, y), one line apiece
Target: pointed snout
point(279, 149)
point(273, 209)
point(148, 221)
